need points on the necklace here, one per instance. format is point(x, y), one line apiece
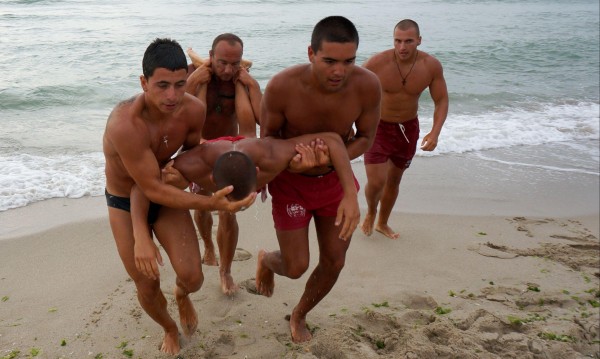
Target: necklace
point(165, 139)
point(409, 71)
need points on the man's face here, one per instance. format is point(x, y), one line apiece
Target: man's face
point(332, 64)
point(165, 89)
point(225, 60)
point(406, 42)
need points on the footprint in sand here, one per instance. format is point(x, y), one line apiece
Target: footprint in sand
point(241, 255)
point(250, 286)
point(492, 250)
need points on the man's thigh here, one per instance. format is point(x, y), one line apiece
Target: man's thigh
point(293, 245)
point(122, 229)
point(332, 248)
point(175, 231)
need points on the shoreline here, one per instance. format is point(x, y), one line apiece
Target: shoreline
point(451, 185)
point(479, 271)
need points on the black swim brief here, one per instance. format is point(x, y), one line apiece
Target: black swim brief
point(123, 203)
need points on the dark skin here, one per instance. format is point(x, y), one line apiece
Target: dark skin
point(141, 135)
point(232, 99)
point(329, 94)
point(271, 156)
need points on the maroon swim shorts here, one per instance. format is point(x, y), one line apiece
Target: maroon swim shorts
point(296, 198)
point(394, 141)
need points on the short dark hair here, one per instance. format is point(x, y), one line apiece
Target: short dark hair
point(237, 169)
point(229, 37)
point(407, 24)
point(333, 29)
point(164, 53)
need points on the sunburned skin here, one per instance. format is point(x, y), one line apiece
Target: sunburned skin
point(198, 61)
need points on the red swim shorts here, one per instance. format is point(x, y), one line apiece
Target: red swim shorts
point(227, 138)
point(296, 198)
point(396, 142)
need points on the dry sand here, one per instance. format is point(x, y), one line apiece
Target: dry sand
point(491, 275)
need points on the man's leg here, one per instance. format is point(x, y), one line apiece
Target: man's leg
point(332, 257)
point(204, 222)
point(291, 260)
point(149, 294)
point(227, 238)
point(376, 178)
point(388, 199)
point(175, 231)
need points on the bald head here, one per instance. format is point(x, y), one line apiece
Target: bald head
point(237, 169)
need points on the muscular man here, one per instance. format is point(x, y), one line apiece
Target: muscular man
point(232, 99)
point(232, 160)
point(405, 73)
point(328, 94)
point(141, 135)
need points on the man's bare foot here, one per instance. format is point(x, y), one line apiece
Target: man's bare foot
point(367, 225)
point(170, 344)
point(265, 278)
point(188, 317)
point(300, 332)
point(387, 231)
point(227, 285)
point(209, 258)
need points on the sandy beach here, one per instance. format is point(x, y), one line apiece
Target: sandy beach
point(493, 261)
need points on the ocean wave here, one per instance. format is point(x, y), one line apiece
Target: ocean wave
point(27, 178)
point(543, 123)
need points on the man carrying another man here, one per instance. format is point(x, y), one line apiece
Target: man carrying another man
point(329, 94)
point(232, 98)
point(141, 136)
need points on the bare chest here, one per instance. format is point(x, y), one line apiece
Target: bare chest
point(405, 81)
point(166, 140)
point(313, 113)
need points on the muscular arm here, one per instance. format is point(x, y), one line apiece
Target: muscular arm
point(272, 108)
point(128, 136)
point(439, 95)
point(244, 112)
point(197, 81)
point(282, 151)
point(366, 124)
point(194, 165)
point(252, 90)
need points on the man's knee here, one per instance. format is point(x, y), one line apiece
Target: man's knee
point(191, 280)
point(338, 265)
point(147, 288)
point(333, 265)
point(296, 268)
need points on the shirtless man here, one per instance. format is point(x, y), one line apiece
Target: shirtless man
point(141, 135)
point(405, 73)
point(330, 94)
point(232, 99)
point(233, 160)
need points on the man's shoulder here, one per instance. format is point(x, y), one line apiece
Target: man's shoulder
point(366, 77)
point(292, 71)
point(429, 59)
point(378, 59)
point(124, 114)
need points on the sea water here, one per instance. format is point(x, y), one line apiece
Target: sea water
point(522, 76)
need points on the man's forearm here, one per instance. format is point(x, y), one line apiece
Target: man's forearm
point(357, 146)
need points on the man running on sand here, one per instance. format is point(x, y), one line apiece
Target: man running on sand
point(405, 73)
point(232, 97)
point(141, 135)
point(330, 94)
